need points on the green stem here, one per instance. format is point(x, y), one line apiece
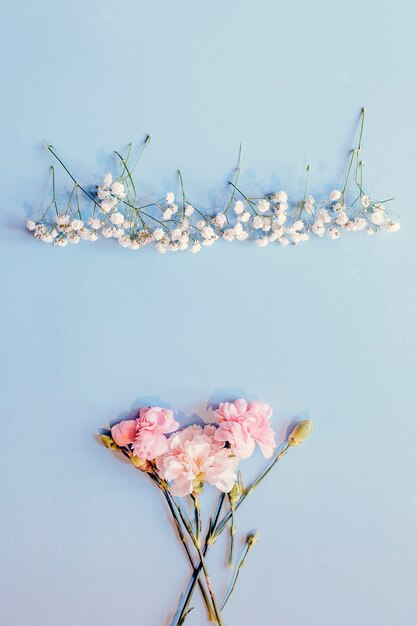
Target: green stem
point(232, 536)
point(249, 543)
point(197, 570)
point(236, 179)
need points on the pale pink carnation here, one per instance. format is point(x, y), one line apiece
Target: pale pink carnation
point(147, 432)
point(194, 456)
point(242, 425)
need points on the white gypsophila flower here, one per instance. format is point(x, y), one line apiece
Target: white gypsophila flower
point(103, 194)
point(61, 242)
point(324, 216)
point(370, 230)
point(219, 220)
point(167, 214)
point(365, 202)
point(280, 218)
point(349, 226)
point(124, 241)
point(118, 190)
point(107, 232)
point(189, 210)
point(304, 236)
point(184, 239)
point(207, 232)
point(309, 203)
point(30, 225)
point(117, 218)
point(54, 232)
point(118, 232)
point(201, 224)
point(108, 205)
point(161, 247)
point(158, 233)
point(196, 247)
point(183, 245)
point(335, 195)
point(93, 236)
point(84, 233)
point(77, 224)
point(277, 228)
point(339, 206)
point(170, 198)
point(174, 208)
point(62, 220)
point(334, 233)
point(73, 238)
point(94, 222)
point(176, 234)
point(295, 238)
point(244, 217)
point(342, 218)
point(392, 227)
point(377, 217)
point(318, 228)
point(47, 238)
point(134, 245)
point(239, 207)
point(266, 224)
point(262, 242)
point(107, 180)
point(210, 241)
point(281, 196)
point(263, 205)
point(257, 222)
point(228, 234)
point(240, 233)
point(298, 225)
point(273, 236)
point(360, 223)
point(283, 241)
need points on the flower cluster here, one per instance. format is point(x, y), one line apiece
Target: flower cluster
point(173, 225)
point(181, 461)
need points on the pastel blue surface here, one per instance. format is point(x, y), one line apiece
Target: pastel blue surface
point(325, 330)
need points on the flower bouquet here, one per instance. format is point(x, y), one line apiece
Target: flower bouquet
point(181, 461)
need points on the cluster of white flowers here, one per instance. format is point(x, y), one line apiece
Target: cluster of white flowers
point(170, 227)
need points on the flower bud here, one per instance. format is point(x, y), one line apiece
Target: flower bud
point(252, 539)
point(109, 442)
point(300, 433)
point(234, 494)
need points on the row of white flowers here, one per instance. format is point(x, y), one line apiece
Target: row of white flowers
point(171, 228)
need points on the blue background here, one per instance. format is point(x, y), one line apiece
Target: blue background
point(325, 330)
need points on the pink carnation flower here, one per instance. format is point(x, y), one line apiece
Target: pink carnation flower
point(147, 432)
point(195, 456)
point(242, 425)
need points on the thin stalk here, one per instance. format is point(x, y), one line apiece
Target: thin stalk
point(236, 179)
point(202, 561)
point(197, 570)
point(251, 204)
point(232, 535)
point(248, 545)
point(183, 191)
point(305, 190)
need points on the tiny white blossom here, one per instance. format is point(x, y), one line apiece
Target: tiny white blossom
point(263, 205)
point(108, 205)
point(392, 227)
point(93, 236)
point(124, 241)
point(170, 198)
point(283, 241)
point(196, 247)
point(62, 220)
point(342, 218)
point(295, 238)
point(30, 225)
point(280, 218)
point(365, 202)
point(378, 217)
point(73, 238)
point(360, 223)
point(244, 217)
point(334, 233)
point(220, 220)
point(335, 195)
point(262, 242)
point(370, 230)
point(158, 233)
point(61, 242)
point(239, 207)
point(281, 196)
point(257, 222)
point(298, 225)
point(318, 228)
point(189, 210)
point(118, 189)
point(107, 180)
point(228, 234)
point(167, 214)
point(176, 234)
point(77, 224)
point(161, 247)
point(117, 218)
point(208, 233)
point(323, 216)
point(134, 245)
point(94, 222)
point(339, 206)
point(201, 224)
